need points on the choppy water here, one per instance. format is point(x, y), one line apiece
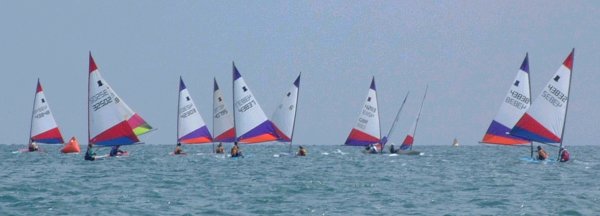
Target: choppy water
point(332, 180)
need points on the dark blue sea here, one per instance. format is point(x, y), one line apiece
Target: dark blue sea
point(331, 180)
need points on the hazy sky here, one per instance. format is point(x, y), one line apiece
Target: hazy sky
point(467, 51)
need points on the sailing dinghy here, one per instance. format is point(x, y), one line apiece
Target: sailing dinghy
point(223, 125)
point(367, 130)
point(43, 128)
point(544, 121)
point(284, 116)
point(110, 121)
point(251, 123)
point(407, 144)
point(191, 128)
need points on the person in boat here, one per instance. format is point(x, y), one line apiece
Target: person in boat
point(301, 151)
point(235, 150)
point(542, 154)
point(115, 151)
point(89, 153)
point(564, 155)
point(220, 149)
point(178, 149)
point(371, 149)
point(33, 146)
point(393, 150)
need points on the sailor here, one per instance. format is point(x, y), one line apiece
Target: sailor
point(220, 149)
point(564, 155)
point(178, 149)
point(301, 151)
point(89, 153)
point(115, 151)
point(33, 146)
point(235, 150)
point(392, 150)
point(542, 154)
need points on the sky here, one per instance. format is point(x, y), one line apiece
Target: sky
point(468, 52)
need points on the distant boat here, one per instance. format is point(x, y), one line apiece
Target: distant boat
point(544, 121)
point(514, 105)
point(251, 123)
point(455, 143)
point(407, 144)
point(43, 127)
point(191, 128)
point(367, 130)
point(284, 117)
point(71, 147)
point(110, 121)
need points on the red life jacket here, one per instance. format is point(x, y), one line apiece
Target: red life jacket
point(564, 156)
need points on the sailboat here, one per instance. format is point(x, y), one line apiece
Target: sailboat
point(367, 130)
point(223, 125)
point(251, 123)
point(544, 121)
point(191, 128)
point(407, 144)
point(110, 121)
point(455, 143)
point(514, 105)
point(284, 116)
point(43, 128)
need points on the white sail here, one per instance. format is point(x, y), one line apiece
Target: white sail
point(191, 128)
point(43, 126)
point(367, 129)
point(223, 126)
point(251, 123)
point(284, 116)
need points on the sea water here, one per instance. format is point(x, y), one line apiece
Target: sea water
point(331, 180)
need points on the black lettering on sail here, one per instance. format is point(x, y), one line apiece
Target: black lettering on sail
point(517, 83)
point(100, 83)
point(43, 101)
point(369, 99)
point(556, 78)
point(187, 98)
point(244, 88)
point(289, 93)
point(219, 98)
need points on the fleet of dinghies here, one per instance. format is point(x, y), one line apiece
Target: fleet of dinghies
point(111, 122)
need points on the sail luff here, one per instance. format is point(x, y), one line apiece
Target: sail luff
point(389, 134)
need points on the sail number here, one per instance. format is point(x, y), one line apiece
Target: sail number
point(100, 100)
point(245, 103)
point(554, 96)
point(186, 111)
point(517, 100)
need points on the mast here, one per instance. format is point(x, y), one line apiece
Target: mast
point(567, 105)
point(178, 104)
point(235, 138)
point(419, 115)
point(529, 83)
point(295, 113)
point(213, 116)
point(88, 96)
point(395, 120)
point(376, 99)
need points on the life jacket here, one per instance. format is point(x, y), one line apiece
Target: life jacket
point(564, 156)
